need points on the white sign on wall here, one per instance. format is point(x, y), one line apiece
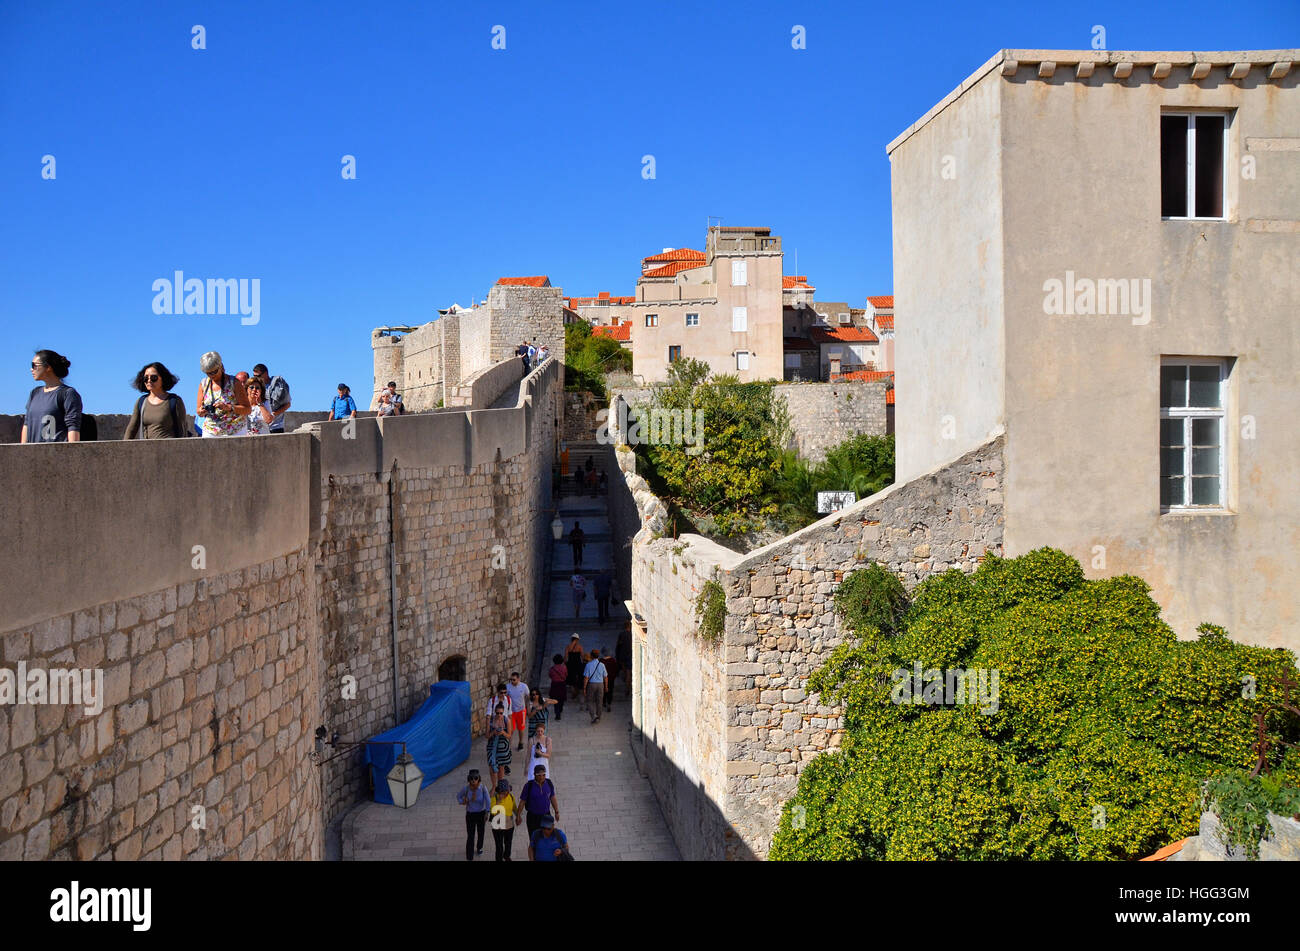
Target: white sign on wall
point(834, 501)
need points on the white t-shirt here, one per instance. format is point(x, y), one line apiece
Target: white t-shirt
point(518, 695)
point(257, 426)
point(492, 704)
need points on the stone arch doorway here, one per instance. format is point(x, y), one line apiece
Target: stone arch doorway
point(453, 668)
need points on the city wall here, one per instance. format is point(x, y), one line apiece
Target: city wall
point(726, 742)
point(229, 625)
point(822, 415)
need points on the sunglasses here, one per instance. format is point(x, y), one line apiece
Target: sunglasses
point(36, 364)
point(152, 378)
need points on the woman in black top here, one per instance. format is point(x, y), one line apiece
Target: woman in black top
point(160, 413)
point(53, 409)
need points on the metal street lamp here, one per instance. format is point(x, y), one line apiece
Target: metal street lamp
point(404, 780)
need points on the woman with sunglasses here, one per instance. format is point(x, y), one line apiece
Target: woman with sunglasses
point(53, 409)
point(223, 402)
point(259, 420)
point(498, 745)
point(159, 413)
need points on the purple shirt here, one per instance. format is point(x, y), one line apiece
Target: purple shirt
point(538, 798)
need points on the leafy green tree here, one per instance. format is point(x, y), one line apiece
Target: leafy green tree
point(587, 358)
point(1104, 730)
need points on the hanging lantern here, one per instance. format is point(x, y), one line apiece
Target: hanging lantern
point(404, 781)
point(557, 527)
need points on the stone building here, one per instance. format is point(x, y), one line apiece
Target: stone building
point(428, 362)
point(1130, 324)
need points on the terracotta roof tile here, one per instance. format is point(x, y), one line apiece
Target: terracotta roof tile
point(669, 270)
point(843, 335)
point(539, 281)
point(865, 376)
point(886, 302)
point(795, 280)
point(677, 254)
point(885, 321)
point(889, 397)
point(621, 332)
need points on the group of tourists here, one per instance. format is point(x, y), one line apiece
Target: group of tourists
point(531, 355)
point(226, 404)
point(514, 711)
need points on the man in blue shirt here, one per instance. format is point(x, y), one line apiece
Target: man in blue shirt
point(343, 406)
point(547, 843)
point(593, 684)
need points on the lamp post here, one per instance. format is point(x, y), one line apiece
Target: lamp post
point(557, 527)
point(404, 780)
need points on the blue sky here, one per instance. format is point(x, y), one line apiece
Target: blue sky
point(472, 163)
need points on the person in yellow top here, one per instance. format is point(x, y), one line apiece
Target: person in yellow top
point(504, 817)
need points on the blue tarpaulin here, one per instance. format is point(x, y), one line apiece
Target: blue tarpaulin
point(437, 737)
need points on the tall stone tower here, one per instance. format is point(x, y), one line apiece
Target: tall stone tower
point(389, 360)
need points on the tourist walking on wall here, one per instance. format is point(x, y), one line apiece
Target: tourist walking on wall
point(559, 674)
point(539, 752)
point(577, 538)
point(222, 402)
point(517, 690)
point(277, 394)
point(474, 797)
point(53, 411)
point(522, 353)
point(612, 669)
point(343, 406)
point(385, 404)
point(603, 584)
point(593, 682)
point(538, 798)
point(500, 697)
point(579, 586)
point(260, 415)
point(575, 659)
point(498, 745)
point(159, 413)
point(543, 354)
point(504, 817)
point(548, 844)
point(532, 356)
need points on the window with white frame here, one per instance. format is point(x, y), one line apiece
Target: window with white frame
point(1193, 466)
point(652, 320)
point(739, 273)
point(692, 320)
point(739, 320)
point(1193, 149)
point(674, 354)
point(742, 359)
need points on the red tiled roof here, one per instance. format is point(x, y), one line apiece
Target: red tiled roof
point(794, 280)
point(865, 376)
point(621, 332)
point(677, 254)
point(540, 281)
point(889, 397)
point(799, 343)
point(886, 302)
point(885, 321)
point(843, 335)
point(668, 270)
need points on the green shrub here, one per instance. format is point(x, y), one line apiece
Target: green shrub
point(1242, 802)
point(711, 610)
point(1105, 726)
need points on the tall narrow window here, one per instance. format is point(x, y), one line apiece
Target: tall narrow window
point(1192, 150)
point(739, 273)
point(739, 320)
point(674, 354)
point(652, 320)
point(742, 359)
point(1192, 438)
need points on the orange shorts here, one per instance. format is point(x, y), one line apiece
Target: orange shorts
point(520, 720)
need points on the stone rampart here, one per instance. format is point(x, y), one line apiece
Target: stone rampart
point(217, 670)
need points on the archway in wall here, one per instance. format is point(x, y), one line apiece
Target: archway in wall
point(453, 668)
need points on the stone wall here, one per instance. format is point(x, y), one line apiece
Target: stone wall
point(216, 675)
point(781, 625)
point(486, 386)
point(112, 426)
point(823, 415)
point(580, 410)
point(535, 314)
point(209, 691)
point(421, 382)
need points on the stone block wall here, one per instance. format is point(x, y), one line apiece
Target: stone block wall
point(214, 684)
point(823, 415)
point(209, 691)
point(421, 383)
point(535, 314)
point(781, 625)
point(580, 410)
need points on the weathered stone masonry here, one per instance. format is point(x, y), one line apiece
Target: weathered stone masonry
point(781, 625)
point(215, 678)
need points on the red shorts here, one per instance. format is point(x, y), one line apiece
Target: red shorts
point(520, 719)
